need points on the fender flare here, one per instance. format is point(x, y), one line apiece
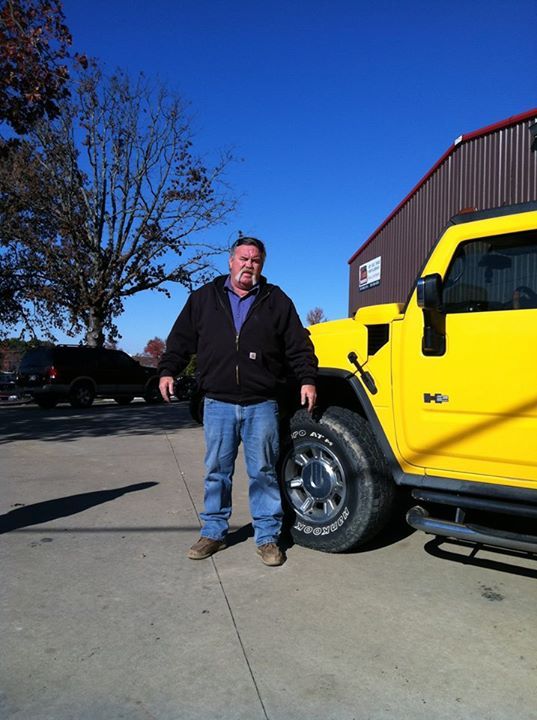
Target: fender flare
point(361, 393)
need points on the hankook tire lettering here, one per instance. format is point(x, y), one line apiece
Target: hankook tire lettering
point(326, 529)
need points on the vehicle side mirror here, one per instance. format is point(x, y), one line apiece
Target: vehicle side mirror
point(429, 290)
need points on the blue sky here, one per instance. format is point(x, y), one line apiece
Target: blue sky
point(336, 108)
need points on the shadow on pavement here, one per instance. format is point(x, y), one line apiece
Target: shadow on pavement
point(434, 548)
point(63, 507)
point(395, 532)
point(241, 535)
point(397, 528)
point(66, 423)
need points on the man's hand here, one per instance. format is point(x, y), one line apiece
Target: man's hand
point(308, 396)
point(166, 387)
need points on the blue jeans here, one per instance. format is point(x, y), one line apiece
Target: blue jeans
point(225, 425)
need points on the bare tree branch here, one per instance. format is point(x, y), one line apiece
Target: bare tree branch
point(110, 200)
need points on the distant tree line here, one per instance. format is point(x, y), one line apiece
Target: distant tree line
point(12, 349)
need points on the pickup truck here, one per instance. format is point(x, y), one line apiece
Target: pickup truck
point(438, 394)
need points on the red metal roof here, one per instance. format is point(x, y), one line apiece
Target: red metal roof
point(513, 120)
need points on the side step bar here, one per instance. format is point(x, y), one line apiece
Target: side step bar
point(418, 518)
point(480, 503)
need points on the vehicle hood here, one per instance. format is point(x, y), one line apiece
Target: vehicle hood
point(334, 340)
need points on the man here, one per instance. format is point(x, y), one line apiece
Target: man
point(245, 332)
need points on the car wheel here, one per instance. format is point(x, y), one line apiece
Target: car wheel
point(335, 481)
point(196, 405)
point(185, 387)
point(47, 403)
point(82, 395)
point(152, 394)
point(125, 400)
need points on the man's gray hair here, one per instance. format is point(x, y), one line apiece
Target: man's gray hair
point(247, 240)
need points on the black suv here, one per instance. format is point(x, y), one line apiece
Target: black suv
point(80, 374)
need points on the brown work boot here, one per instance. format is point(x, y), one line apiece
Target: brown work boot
point(204, 548)
point(271, 554)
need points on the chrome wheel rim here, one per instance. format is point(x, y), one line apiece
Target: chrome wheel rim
point(314, 481)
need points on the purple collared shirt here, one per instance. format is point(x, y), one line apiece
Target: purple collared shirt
point(240, 305)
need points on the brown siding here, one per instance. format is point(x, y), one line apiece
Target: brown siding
point(485, 170)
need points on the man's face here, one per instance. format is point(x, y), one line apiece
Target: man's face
point(245, 267)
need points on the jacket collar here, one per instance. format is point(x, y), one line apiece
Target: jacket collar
point(263, 284)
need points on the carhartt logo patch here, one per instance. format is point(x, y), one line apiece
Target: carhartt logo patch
point(253, 356)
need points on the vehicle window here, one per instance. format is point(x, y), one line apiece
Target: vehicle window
point(117, 360)
point(40, 357)
point(498, 273)
point(77, 357)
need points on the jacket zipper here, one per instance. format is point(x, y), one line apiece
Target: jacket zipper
point(237, 337)
point(237, 365)
point(237, 334)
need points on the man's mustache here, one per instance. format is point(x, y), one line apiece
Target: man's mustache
point(239, 275)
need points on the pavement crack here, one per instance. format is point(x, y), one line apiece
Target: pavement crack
point(222, 588)
point(182, 475)
point(239, 638)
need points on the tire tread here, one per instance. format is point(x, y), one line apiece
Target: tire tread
point(375, 481)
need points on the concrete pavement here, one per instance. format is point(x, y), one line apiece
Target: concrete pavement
point(103, 616)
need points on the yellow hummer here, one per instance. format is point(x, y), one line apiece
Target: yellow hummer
point(438, 394)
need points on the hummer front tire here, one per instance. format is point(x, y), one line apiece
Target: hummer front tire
point(335, 482)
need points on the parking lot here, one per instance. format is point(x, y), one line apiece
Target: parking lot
point(103, 616)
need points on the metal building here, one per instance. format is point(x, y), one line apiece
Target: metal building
point(494, 166)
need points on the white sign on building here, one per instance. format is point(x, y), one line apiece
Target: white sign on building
point(369, 274)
